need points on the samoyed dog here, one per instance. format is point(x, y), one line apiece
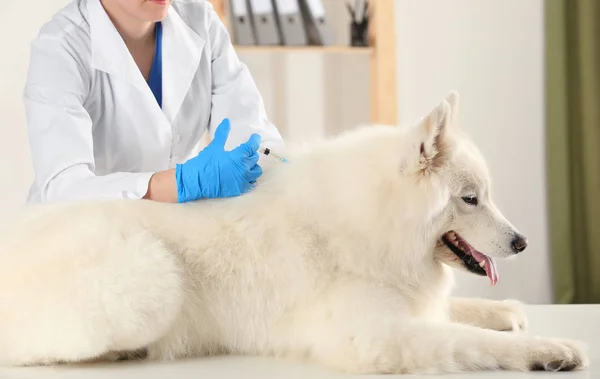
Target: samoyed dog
point(342, 257)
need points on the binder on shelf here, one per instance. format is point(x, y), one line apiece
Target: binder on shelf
point(243, 32)
point(264, 22)
point(290, 22)
point(317, 26)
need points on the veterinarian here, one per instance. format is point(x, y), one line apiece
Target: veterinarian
point(119, 94)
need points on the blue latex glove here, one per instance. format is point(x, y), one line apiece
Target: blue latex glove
point(216, 173)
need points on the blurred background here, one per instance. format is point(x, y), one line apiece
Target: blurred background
point(527, 73)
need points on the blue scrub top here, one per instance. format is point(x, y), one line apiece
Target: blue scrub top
point(155, 78)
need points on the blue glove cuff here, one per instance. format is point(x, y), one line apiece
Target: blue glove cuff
point(184, 180)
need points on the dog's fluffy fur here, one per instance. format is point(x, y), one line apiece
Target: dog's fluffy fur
point(335, 258)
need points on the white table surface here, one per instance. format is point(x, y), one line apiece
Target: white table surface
point(567, 321)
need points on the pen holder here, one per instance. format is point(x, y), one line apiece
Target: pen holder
point(359, 27)
point(359, 33)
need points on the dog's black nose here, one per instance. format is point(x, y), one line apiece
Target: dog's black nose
point(519, 243)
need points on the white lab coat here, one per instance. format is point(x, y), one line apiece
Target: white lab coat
point(95, 128)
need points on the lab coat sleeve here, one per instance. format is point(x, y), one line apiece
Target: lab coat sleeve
point(60, 129)
point(234, 93)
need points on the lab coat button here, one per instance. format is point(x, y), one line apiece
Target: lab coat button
point(176, 138)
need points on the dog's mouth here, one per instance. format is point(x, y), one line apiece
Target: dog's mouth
point(475, 261)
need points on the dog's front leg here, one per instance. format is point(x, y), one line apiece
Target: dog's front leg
point(506, 315)
point(359, 327)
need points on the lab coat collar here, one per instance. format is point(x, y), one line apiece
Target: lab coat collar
point(181, 48)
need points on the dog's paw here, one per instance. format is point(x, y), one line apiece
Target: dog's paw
point(557, 355)
point(507, 316)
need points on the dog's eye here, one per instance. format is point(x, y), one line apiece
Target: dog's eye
point(471, 200)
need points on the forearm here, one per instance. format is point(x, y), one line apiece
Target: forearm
point(162, 187)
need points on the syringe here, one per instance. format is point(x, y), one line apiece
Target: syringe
point(267, 151)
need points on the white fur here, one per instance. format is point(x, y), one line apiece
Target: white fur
point(334, 258)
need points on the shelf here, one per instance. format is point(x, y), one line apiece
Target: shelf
point(381, 55)
point(309, 49)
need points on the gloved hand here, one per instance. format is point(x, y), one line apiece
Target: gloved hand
point(216, 173)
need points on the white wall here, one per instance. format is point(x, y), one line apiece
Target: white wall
point(19, 26)
point(491, 52)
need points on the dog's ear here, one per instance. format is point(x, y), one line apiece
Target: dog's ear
point(435, 145)
point(453, 99)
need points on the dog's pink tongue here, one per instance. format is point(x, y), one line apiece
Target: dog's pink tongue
point(490, 266)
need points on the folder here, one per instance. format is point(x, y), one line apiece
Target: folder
point(317, 27)
point(290, 22)
point(265, 26)
point(243, 32)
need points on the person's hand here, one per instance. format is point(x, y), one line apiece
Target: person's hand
point(216, 173)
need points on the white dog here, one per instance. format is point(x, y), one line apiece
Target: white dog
point(341, 257)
